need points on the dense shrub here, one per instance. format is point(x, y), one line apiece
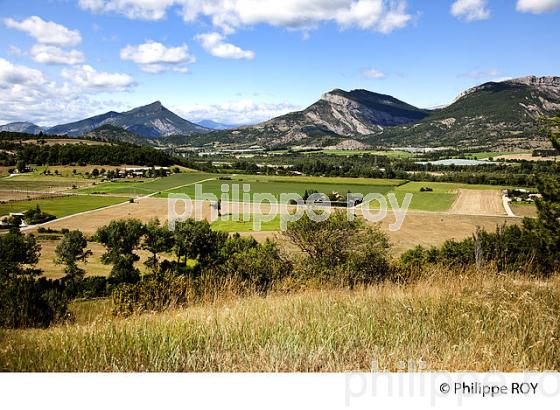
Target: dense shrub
point(153, 295)
point(35, 216)
point(256, 267)
point(26, 302)
point(340, 250)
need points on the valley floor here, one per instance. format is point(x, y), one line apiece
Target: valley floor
point(446, 320)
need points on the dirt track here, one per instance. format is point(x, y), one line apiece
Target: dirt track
point(478, 202)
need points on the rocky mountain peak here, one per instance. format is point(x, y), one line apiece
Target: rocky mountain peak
point(547, 81)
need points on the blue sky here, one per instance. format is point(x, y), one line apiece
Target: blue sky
point(242, 61)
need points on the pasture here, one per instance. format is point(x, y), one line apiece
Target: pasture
point(61, 206)
point(439, 200)
point(141, 187)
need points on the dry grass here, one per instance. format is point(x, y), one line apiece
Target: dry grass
point(449, 320)
point(478, 202)
point(520, 209)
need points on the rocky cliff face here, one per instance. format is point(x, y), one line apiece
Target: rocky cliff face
point(336, 115)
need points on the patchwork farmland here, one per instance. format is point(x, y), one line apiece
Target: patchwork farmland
point(451, 211)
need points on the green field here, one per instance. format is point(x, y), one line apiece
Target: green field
point(439, 200)
point(277, 185)
point(146, 187)
point(276, 188)
point(62, 206)
point(246, 226)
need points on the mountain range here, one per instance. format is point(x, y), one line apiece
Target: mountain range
point(150, 121)
point(213, 125)
point(26, 127)
point(502, 114)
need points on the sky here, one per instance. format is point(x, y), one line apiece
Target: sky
point(245, 61)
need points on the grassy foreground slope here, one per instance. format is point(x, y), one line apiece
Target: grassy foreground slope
point(450, 321)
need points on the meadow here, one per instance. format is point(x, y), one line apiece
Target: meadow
point(439, 200)
point(61, 206)
point(451, 321)
point(230, 226)
point(136, 187)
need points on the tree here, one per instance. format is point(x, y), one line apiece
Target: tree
point(326, 242)
point(196, 240)
point(24, 300)
point(18, 255)
point(341, 249)
point(71, 250)
point(256, 264)
point(95, 172)
point(121, 238)
point(21, 167)
point(546, 228)
point(157, 239)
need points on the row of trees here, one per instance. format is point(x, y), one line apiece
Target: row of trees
point(522, 173)
point(339, 251)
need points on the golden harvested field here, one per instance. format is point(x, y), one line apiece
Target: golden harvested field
point(15, 195)
point(478, 202)
point(526, 157)
point(143, 209)
point(522, 210)
point(433, 229)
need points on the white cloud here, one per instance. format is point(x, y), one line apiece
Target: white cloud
point(46, 32)
point(470, 10)
point(538, 6)
point(235, 112)
point(86, 77)
point(26, 94)
point(12, 75)
point(54, 55)
point(134, 9)
point(153, 57)
point(229, 15)
point(214, 43)
point(373, 73)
